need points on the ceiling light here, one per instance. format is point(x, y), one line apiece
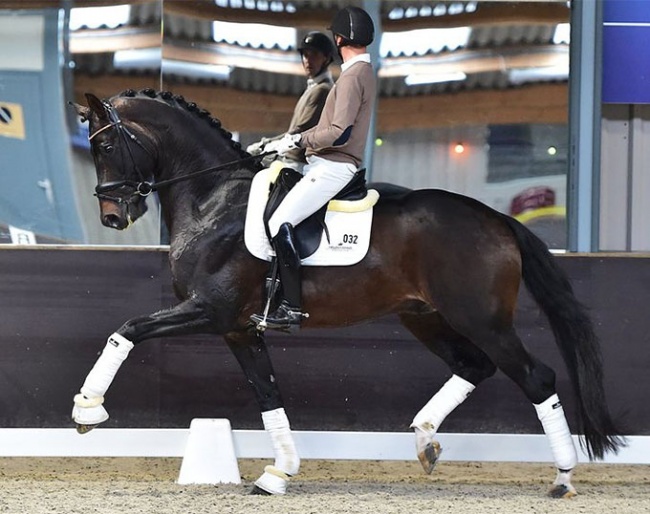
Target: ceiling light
point(197, 71)
point(547, 73)
point(433, 78)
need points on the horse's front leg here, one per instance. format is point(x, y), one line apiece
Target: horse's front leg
point(250, 351)
point(186, 318)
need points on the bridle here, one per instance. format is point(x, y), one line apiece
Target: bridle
point(143, 187)
point(125, 135)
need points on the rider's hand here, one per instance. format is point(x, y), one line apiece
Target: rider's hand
point(286, 144)
point(256, 148)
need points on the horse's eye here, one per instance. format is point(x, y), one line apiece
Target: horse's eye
point(108, 148)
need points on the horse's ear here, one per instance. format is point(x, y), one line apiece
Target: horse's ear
point(82, 110)
point(96, 106)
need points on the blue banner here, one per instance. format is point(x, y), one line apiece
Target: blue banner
point(626, 59)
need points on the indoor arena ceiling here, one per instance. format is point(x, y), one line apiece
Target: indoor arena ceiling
point(507, 43)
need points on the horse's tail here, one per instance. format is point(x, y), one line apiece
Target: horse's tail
point(575, 337)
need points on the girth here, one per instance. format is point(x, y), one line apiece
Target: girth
point(309, 231)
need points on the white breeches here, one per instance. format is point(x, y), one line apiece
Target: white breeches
point(322, 180)
point(290, 163)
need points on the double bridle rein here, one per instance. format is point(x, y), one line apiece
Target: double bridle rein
point(144, 187)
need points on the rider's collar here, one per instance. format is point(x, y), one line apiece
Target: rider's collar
point(358, 58)
point(324, 76)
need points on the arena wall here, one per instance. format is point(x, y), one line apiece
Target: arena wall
point(58, 305)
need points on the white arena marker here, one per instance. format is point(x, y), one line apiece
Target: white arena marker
point(209, 456)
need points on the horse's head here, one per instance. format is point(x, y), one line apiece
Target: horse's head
point(124, 164)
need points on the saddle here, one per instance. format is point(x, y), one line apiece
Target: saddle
point(310, 231)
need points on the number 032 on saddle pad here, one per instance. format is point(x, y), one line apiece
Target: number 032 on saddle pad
point(348, 225)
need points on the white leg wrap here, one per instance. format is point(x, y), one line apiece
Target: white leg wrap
point(89, 411)
point(450, 396)
point(273, 481)
point(276, 424)
point(103, 372)
point(556, 428)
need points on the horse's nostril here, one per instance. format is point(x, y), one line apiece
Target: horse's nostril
point(112, 221)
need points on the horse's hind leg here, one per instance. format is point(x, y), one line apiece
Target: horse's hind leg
point(469, 366)
point(251, 353)
point(537, 381)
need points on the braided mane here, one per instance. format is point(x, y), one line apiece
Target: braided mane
point(179, 102)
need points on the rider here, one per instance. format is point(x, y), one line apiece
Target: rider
point(317, 53)
point(334, 151)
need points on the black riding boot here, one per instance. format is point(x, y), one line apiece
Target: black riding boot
point(288, 313)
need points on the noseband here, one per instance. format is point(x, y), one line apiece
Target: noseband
point(142, 187)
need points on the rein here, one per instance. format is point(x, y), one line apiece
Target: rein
point(144, 187)
point(151, 187)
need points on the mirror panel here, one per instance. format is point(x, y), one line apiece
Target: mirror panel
point(473, 98)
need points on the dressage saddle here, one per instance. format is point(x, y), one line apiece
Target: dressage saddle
point(309, 232)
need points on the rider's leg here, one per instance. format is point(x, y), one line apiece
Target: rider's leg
point(289, 311)
point(322, 181)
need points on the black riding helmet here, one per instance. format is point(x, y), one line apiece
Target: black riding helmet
point(320, 42)
point(354, 25)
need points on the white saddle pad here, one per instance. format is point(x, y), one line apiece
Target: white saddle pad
point(349, 231)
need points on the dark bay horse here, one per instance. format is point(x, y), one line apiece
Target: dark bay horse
point(449, 266)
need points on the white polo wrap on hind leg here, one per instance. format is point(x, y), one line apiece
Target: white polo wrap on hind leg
point(556, 428)
point(451, 395)
point(287, 462)
point(100, 377)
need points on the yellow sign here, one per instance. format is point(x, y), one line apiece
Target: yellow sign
point(12, 123)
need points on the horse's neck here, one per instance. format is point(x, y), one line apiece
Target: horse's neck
point(218, 212)
point(208, 204)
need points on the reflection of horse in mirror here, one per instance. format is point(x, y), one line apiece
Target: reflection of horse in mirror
point(449, 266)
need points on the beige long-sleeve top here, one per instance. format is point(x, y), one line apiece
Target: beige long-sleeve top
point(342, 130)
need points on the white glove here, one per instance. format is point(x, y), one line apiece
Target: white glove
point(286, 144)
point(256, 148)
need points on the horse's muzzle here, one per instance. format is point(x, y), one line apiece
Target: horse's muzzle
point(114, 221)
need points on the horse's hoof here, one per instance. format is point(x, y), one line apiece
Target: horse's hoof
point(259, 492)
point(87, 413)
point(429, 456)
point(84, 429)
point(562, 491)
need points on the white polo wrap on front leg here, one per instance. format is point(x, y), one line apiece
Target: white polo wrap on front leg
point(287, 463)
point(100, 377)
point(556, 428)
point(276, 424)
point(451, 395)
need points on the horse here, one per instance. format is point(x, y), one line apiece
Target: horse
point(449, 266)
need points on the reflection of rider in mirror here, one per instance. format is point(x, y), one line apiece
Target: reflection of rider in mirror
point(317, 52)
point(334, 150)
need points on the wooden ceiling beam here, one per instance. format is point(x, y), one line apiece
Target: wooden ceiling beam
point(113, 40)
point(60, 4)
point(208, 10)
point(487, 13)
point(265, 113)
